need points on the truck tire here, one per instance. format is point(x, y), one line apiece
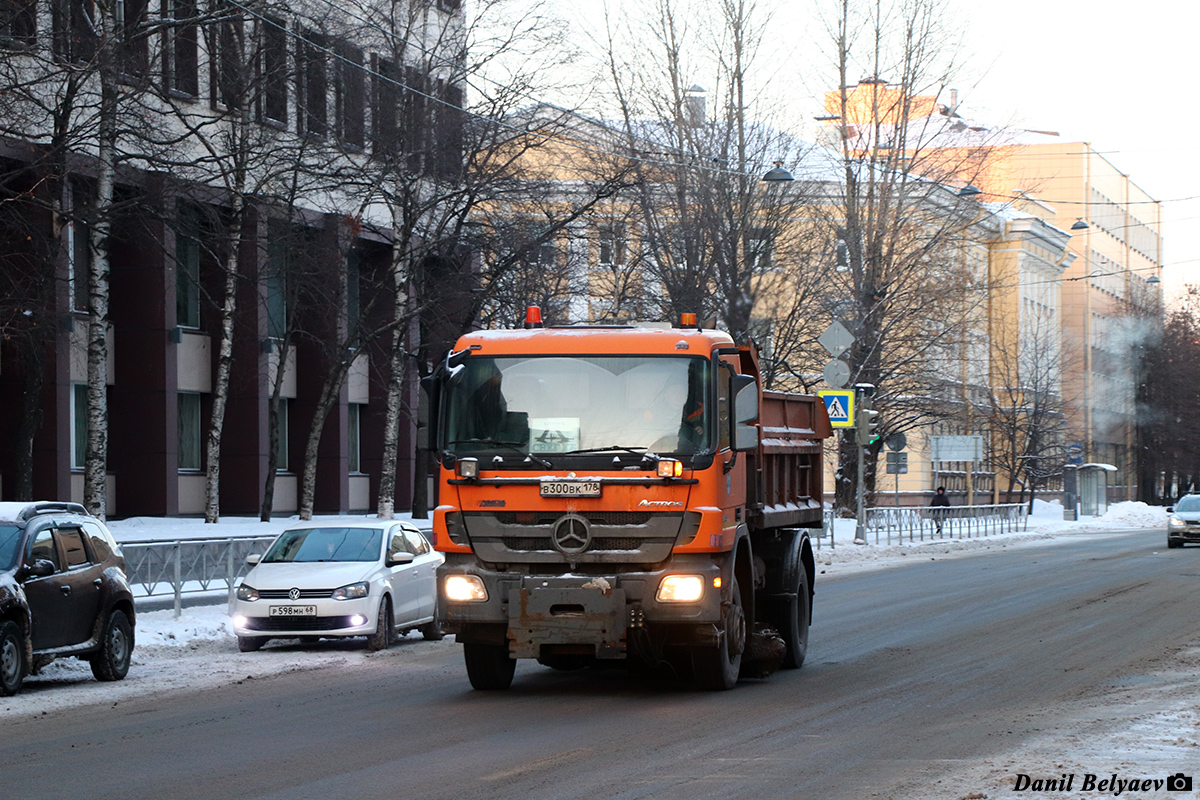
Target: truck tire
point(488, 666)
point(111, 663)
point(791, 617)
point(717, 667)
point(12, 659)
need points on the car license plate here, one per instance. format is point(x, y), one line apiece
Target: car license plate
point(570, 488)
point(293, 611)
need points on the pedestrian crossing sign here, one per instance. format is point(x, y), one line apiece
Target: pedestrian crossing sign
point(840, 406)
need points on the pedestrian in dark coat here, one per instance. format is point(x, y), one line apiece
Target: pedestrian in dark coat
point(940, 501)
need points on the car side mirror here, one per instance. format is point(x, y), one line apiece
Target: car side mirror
point(253, 559)
point(396, 559)
point(1170, 509)
point(40, 568)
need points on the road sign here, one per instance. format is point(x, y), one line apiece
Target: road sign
point(897, 441)
point(836, 339)
point(1074, 454)
point(837, 373)
point(840, 406)
point(897, 463)
point(956, 448)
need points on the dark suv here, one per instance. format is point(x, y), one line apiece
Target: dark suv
point(63, 592)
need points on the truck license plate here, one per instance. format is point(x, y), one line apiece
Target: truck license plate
point(570, 488)
point(293, 611)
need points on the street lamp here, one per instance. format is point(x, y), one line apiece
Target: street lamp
point(778, 174)
point(1080, 225)
point(969, 190)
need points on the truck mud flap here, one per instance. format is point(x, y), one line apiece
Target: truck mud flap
point(566, 616)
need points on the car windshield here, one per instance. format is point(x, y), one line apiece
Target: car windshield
point(1189, 503)
point(326, 544)
point(556, 404)
point(10, 541)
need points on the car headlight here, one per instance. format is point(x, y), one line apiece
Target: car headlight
point(680, 589)
point(245, 592)
point(352, 592)
point(1176, 522)
point(465, 589)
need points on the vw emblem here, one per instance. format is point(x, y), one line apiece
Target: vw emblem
point(294, 594)
point(572, 535)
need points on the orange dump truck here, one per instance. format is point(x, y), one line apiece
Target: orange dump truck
point(622, 493)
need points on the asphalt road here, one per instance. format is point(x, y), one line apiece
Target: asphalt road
point(929, 666)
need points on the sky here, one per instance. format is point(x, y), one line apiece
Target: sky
point(1113, 74)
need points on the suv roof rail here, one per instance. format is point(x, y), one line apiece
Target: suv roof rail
point(33, 509)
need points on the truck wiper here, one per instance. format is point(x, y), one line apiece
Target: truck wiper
point(514, 446)
point(616, 447)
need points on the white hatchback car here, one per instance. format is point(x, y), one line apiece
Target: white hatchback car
point(336, 579)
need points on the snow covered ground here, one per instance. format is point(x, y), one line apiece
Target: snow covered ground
point(1145, 730)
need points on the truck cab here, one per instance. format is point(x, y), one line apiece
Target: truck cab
point(593, 499)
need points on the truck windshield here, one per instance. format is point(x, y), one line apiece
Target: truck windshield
point(564, 404)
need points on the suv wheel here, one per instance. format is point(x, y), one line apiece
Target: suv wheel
point(12, 659)
point(111, 663)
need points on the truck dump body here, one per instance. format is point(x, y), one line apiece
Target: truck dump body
point(601, 490)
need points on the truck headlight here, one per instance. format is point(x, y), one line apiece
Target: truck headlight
point(670, 468)
point(464, 589)
point(245, 592)
point(680, 589)
point(352, 591)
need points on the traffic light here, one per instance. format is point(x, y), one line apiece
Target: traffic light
point(866, 428)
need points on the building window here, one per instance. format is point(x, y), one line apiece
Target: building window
point(758, 247)
point(18, 21)
point(79, 426)
point(75, 38)
point(133, 52)
point(274, 69)
point(281, 450)
point(612, 246)
point(277, 255)
point(189, 430)
point(351, 95)
point(181, 71)
point(313, 118)
point(79, 263)
point(229, 83)
point(187, 269)
point(353, 435)
point(385, 108)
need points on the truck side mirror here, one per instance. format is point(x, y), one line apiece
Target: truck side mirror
point(745, 412)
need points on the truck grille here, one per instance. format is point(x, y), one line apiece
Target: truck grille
point(527, 537)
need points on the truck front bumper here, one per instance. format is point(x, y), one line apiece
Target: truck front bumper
point(584, 611)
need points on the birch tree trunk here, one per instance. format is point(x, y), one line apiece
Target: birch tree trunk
point(386, 507)
point(95, 479)
point(268, 502)
point(329, 397)
point(212, 483)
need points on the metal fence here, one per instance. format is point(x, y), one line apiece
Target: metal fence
point(181, 566)
point(956, 522)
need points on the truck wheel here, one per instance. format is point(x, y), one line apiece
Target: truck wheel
point(717, 667)
point(111, 663)
point(488, 666)
point(791, 618)
point(12, 659)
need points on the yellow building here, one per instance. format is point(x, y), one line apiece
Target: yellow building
point(1110, 287)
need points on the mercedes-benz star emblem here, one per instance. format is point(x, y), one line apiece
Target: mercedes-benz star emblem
point(294, 594)
point(572, 535)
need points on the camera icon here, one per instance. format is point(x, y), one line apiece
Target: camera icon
point(1179, 782)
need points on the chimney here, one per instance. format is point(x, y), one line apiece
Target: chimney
point(694, 101)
